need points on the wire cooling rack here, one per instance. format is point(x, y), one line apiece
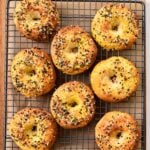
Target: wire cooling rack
point(75, 13)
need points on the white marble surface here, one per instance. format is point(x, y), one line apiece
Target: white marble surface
point(148, 71)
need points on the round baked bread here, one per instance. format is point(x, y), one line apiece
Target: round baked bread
point(117, 131)
point(73, 105)
point(32, 72)
point(33, 129)
point(115, 27)
point(36, 19)
point(73, 50)
point(114, 79)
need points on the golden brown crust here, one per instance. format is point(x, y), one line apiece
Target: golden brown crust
point(32, 72)
point(36, 19)
point(33, 129)
point(73, 105)
point(114, 79)
point(117, 131)
point(73, 50)
point(115, 27)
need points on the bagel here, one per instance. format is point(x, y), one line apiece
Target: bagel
point(73, 105)
point(32, 72)
point(117, 131)
point(114, 79)
point(73, 50)
point(36, 19)
point(33, 129)
point(115, 27)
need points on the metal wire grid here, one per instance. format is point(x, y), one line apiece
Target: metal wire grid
point(75, 13)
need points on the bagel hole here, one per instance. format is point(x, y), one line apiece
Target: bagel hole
point(36, 18)
point(74, 50)
point(115, 27)
point(31, 72)
point(113, 78)
point(73, 104)
point(35, 15)
point(34, 128)
point(118, 135)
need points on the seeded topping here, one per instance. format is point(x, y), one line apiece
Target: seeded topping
point(115, 27)
point(73, 50)
point(32, 72)
point(73, 105)
point(33, 129)
point(117, 130)
point(114, 79)
point(36, 19)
